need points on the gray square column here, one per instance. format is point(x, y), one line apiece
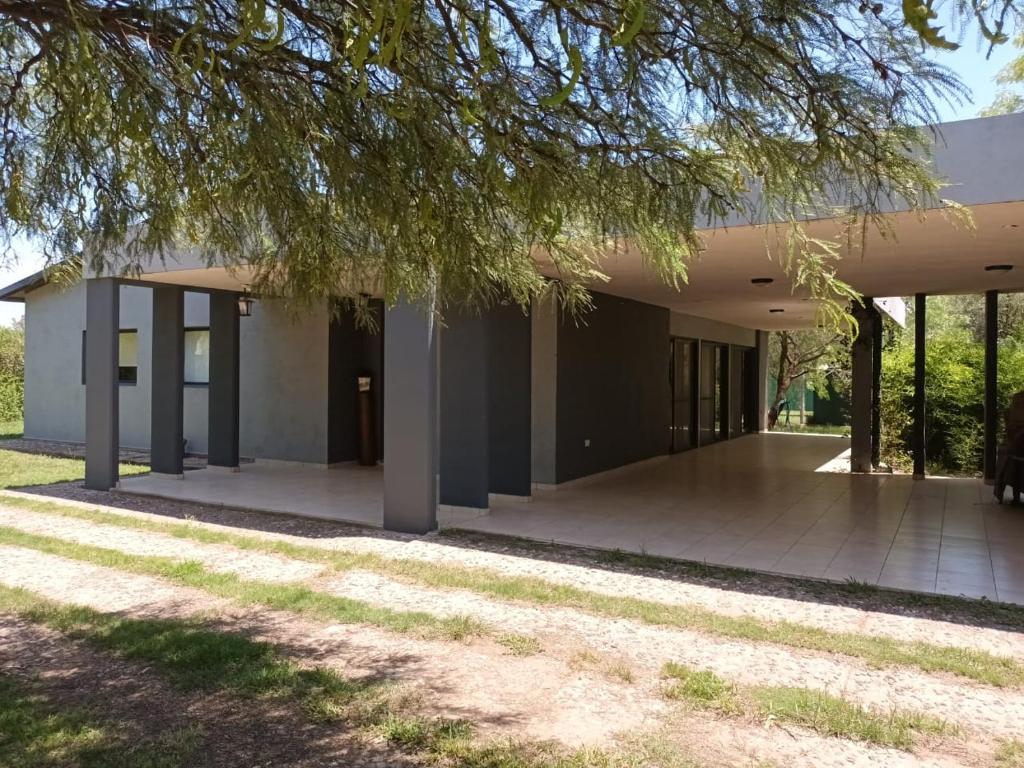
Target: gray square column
point(167, 404)
point(102, 323)
point(224, 377)
point(465, 410)
point(410, 418)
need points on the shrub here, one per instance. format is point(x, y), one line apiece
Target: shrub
point(954, 404)
point(12, 373)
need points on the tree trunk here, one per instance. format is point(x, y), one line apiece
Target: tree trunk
point(782, 379)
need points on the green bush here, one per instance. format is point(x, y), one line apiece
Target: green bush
point(954, 404)
point(12, 373)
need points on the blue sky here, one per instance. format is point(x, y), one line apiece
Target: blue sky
point(977, 71)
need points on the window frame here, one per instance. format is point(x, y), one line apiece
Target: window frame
point(185, 381)
point(119, 367)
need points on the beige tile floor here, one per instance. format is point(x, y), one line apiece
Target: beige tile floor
point(772, 502)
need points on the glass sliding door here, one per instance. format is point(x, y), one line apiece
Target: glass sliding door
point(710, 392)
point(684, 360)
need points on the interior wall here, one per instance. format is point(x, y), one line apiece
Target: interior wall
point(613, 397)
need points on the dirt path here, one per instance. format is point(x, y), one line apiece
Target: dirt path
point(136, 703)
point(534, 697)
point(997, 711)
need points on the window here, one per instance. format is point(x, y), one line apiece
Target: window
point(127, 357)
point(197, 355)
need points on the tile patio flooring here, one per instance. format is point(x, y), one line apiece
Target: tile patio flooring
point(771, 502)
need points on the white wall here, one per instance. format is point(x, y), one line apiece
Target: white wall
point(283, 367)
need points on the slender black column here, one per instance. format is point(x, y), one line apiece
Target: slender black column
point(991, 382)
point(919, 437)
point(167, 403)
point(410, 418)
point(102, 323)
point(759, 385)
point(876, 388)
point(224, 377)
point(861, 396)
point(465, 410)
point(511, 445)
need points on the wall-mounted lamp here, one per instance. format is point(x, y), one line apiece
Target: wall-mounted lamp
point(245, 301)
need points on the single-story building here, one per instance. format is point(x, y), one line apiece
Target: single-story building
point(492, 408)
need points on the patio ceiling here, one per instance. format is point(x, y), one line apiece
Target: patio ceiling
point(934, 254)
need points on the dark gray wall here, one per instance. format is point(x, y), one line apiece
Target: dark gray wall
point(353, 352)
point(510, 401)
point(613, 387)
point(465, 412)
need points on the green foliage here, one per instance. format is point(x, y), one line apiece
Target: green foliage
point(466, 151)
point(12, 372)
point(954, 385)
point(1010, 97)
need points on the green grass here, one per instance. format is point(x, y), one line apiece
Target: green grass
point(814, 710)
point(1010, 754)
point(813, 429)
point(12, 429)
point(19, 469)
point(197, 658)
point(35, 734)
point(879, 652)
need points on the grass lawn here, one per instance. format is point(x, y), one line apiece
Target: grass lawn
point(19, 469)
point(11, 429)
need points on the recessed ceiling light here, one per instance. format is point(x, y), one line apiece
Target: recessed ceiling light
point(776, 309)
point(762, 280)
point(998, 267)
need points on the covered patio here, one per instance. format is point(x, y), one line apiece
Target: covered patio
point(780, 503)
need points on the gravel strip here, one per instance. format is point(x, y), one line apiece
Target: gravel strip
point(217, 557)
point(733, 602)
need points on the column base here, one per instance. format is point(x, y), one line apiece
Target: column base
point(509, 497)
point(168, 475)
point(219, 468)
